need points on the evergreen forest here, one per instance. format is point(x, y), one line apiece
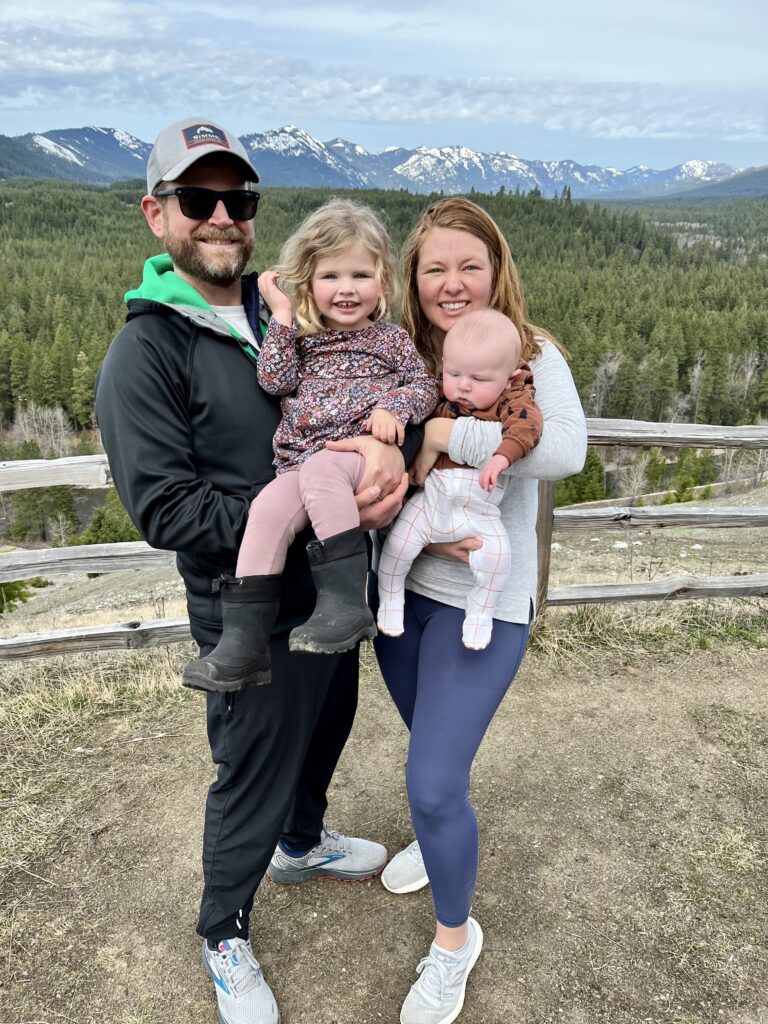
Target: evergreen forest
point(657, 329)
point(662, 307)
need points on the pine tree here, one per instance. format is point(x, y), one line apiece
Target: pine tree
point(81, 395)
point(109, 524)
point(14, 593)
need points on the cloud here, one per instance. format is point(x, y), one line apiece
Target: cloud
point(107, 55)
point(85, 20)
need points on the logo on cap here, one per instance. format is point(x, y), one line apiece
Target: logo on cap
point(204, 135)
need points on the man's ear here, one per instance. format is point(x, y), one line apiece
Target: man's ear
point(153, 212)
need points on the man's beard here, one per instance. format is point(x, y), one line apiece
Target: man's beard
point(217, 269)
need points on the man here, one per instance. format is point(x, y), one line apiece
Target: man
point(188, 433)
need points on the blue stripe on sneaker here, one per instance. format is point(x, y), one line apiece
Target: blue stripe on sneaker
point(218, 981)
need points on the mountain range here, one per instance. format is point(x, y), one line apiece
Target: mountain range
point(290, 157)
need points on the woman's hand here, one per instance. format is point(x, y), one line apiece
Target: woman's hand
point(275, 298)
point(457, 550)
point(418, 471)
point(437, 434)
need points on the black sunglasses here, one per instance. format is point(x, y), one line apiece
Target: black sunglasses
point(199, 203)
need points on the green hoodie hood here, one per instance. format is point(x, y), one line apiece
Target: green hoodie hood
point(161, 284)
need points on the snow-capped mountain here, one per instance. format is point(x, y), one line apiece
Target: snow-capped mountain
point(289, 156)
point(98, 154)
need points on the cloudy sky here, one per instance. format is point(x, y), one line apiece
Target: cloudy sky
point(592, 80)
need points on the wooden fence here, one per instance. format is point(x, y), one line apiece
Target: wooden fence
point(93, 471)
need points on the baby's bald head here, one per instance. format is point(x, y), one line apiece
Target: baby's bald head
point(481, 352)
point(488, 335)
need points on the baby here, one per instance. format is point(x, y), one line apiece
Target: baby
point(482, 377)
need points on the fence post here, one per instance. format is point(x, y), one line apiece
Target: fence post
point(544, 521)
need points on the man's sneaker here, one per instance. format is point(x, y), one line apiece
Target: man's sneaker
point(243, 995)
point(335, 856)
point(406, 871)
point(438, 995)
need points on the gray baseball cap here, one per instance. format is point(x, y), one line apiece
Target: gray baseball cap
point(182, 144)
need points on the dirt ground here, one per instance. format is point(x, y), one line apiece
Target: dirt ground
point(621, 802)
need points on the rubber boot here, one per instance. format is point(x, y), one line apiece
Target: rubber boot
point(339, 567)
point(248, 611)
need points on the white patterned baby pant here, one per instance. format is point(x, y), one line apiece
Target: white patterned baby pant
point(452, 506)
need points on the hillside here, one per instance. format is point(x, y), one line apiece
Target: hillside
point(749, 183)
point(16, 161)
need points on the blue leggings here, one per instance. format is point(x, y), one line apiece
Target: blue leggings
point(447, 696)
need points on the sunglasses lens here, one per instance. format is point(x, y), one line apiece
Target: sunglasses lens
point(241, 205)
point(196, 203)
point(199, 203)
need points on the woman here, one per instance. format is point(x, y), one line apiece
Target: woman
point(456, 260)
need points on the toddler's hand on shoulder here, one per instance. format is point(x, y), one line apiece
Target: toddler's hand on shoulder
point(386, 427)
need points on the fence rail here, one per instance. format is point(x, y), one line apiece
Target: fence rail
point(658, 517)
point(137, 634)
point(93, 471)
point(78, 471)
point(26, 565)
point(640, 434)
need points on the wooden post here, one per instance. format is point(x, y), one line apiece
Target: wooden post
point(544, 523)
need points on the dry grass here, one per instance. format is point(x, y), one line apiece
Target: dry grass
point(56, 717)
point(77, 600)
point(634, 628)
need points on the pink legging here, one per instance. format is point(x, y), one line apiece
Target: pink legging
point(321, 491)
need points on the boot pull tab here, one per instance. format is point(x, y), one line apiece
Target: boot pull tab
point(219, 582)
point(315, 552)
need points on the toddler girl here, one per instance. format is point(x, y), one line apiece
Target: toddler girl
point(341, 371)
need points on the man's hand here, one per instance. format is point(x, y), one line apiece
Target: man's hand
point(490, 472)
point(385, 426)
point(377, 512)
point(275, 298)
point(381, 491)
point(384, 465)
point(458, 550)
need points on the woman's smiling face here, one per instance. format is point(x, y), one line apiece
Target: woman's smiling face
point(453, 275)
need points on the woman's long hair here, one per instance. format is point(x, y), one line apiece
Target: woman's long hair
point(506, 291)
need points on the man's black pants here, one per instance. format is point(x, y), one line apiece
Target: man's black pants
point(276, 748)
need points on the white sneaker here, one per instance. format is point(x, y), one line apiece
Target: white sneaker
point(243, 995)
point(406, 871)
point(335, 856)
point(438, 995)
